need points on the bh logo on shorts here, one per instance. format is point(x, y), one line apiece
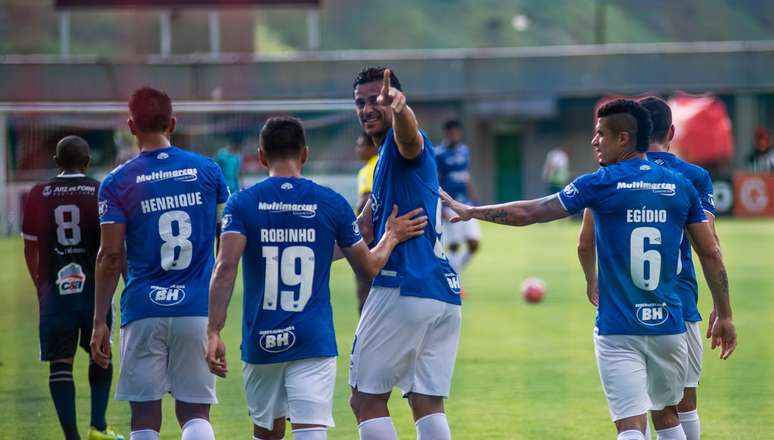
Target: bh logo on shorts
point(277, 341)
point(652, 314)
point(167, 296)
point(70, 279)
point(454, 282)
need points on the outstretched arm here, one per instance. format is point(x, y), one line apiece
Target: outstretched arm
point(587, 255)
point(404, 122)
point(519, 213)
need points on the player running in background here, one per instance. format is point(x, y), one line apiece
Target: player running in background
point(409, 330)
point(368, 153)
point(286, 227)
point(164, 204)
point(641, 211)
point(61, 239)
point(452, 157)
point(686, 287)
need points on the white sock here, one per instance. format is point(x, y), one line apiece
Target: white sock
point(377, 429)
point(433, 427)
point(144, 434)
point(198, 429)
point(691, 425)
point(631, 434)
point(318, 433)
point(673, 433)
point(648, 435)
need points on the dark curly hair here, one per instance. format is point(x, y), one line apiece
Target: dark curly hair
point(371, 74)
point(283, 137)
point(151, 110)
point(628, 115)
point(660, 117)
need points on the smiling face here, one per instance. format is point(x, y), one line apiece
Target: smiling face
point(609, 145)
point(374, 118)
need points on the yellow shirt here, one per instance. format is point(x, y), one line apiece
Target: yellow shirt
point(365, 177)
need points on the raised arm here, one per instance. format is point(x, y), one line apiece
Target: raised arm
point(110, 266)
point(404, 122)
point(367, 263)
point(519, 213)
point(221, 287)
point(707, 248)
point(587, 255)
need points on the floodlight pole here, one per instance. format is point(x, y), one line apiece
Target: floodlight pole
point(64, 34)
point(313, 29)
point(165, 33)
point(214, 26)
point(5, 211)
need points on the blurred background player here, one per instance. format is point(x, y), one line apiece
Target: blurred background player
point(164, 204)
point(229, 159)
point(761, 159)
point(686, 287)
point(556, 170)
point(409, 330)
point(61, 239)
point(367, 152)
point(289, 345)
point(452, 157)
point(640, 211)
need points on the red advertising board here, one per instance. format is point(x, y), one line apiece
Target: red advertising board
point(754, 195)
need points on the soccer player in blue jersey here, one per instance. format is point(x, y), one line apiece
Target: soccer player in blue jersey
point(686, 287)
point(452, 157)
point(164, 204)
point(641, 210)
point(285, 228)
point(410, 326)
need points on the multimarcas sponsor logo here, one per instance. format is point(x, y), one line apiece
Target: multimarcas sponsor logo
point(297, 209)
point(181, 175)
point(663, 188)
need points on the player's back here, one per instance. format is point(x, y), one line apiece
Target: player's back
point(640, 211)
point(167, 198)
point(61, 215)
point(291, 225)
point(454, 170)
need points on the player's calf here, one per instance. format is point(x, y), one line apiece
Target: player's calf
point(146, 416)
point(689, 416)
point(667, 424)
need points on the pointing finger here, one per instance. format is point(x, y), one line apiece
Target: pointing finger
point(386, 81)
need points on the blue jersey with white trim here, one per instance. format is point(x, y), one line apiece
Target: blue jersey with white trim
point(687, 287)
point(640, 211)
point(168, 199)
point(453, 165)
point(291, 226)
point(418, 267)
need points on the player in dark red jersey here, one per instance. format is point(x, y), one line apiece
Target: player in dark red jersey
point(61, 238)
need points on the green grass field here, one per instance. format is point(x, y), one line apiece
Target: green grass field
point(523, 371)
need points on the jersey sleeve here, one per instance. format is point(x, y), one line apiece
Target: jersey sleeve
point(347, 232)
point(706, 196)
point(33, 215)
point(232, 222)
point(696, 211)
point(580, 193)
point(110, 209)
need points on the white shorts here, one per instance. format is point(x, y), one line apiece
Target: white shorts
point(165, 355)
point(461, 232)
point(695, 353)
point(641, 373)
point(405, 341)
point(299, 390)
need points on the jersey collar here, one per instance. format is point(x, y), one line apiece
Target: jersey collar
point(70, 175)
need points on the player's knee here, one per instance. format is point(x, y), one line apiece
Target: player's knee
point(188, 411)
point(665, 418)
point(688, 403)
point(422, 405)
point(473, 246)
point(276, 433)
point(146, 415)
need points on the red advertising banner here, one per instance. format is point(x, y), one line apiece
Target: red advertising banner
point(702, 130)
point(754, 195)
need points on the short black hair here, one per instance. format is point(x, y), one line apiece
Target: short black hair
point(151, 110)
point(283, 137)
point(452, 123)
point(72, 152)
point(628, 115)
point(660, 117)
point(371, 74)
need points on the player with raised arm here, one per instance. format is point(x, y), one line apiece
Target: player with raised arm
point(61, 238)
point(687, 287)
point(285, 228)
point(452, 157)
point(409, 329)
point(641, 211)
point(164, 204)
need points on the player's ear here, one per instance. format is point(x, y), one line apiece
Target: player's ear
point(304, 154)
point(172, 125)
point(671, 134)
point(262, 158)
point(132, 127)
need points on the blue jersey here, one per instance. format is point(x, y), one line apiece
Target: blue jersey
point(640, 211)
point(167, 199)
point(454, 170)
point(686, 275)
point(291, 225)
point(418, 267)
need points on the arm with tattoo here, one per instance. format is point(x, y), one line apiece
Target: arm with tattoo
point(518, 213)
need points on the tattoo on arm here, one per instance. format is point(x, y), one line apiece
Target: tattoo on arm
point(497, 215)
point(723, 275)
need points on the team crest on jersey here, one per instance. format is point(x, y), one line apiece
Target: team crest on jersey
point(46, 190)
point(70, 279)
point(711, 199)
point(355, 228)
point(103, 208)
point(277, 341)
point(167, 296)
point(287, 186)
point(652, 314)
point(162, 156)
point(226, 220)
point(570, 190)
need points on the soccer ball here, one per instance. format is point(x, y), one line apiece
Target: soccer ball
point(533, 290)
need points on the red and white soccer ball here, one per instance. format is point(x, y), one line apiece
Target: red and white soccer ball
point(533, 290)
